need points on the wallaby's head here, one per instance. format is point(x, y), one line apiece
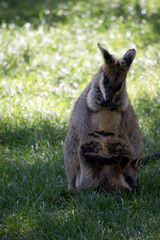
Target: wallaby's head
point(120, 175)
point(113, 75)
point(130, 174)
point(111, 176)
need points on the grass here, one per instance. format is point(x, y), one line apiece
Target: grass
point(48, 54)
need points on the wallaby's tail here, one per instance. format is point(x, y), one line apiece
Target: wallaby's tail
point(150, 157)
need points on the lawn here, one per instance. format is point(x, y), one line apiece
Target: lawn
point(48, 54)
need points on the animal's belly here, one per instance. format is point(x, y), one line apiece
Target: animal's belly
point(107, 121)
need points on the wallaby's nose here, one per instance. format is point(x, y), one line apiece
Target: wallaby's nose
point(108, 100)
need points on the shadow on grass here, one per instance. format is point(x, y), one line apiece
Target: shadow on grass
point(34, 12)
point(30, 190)
point(31, 166)
point(50, 12)
point(14, 136)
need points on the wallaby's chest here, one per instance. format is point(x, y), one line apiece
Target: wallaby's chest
point(106, 121)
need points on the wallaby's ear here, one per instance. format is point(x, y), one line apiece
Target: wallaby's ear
point(124, 162)
point(109, 59)
point(129, 57)
point(136, 163)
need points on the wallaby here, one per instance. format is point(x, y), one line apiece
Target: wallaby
point(103, 123)
point(130, 173)
point(120, 174)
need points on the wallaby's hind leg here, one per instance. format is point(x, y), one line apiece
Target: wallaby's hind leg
point(71, 157)
point(88, 172)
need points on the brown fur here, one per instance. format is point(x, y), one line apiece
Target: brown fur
point(103, 121)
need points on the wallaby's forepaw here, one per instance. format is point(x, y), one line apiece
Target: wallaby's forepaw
point(102, 158)
point(114, 106)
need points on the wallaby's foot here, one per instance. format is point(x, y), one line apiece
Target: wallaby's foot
point(66, 196)
point(69, 194)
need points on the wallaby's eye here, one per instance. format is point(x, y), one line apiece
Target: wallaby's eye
point(119, 86)
point(105, 80)
point(128, 179)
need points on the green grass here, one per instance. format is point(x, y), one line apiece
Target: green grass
point(48, 54)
